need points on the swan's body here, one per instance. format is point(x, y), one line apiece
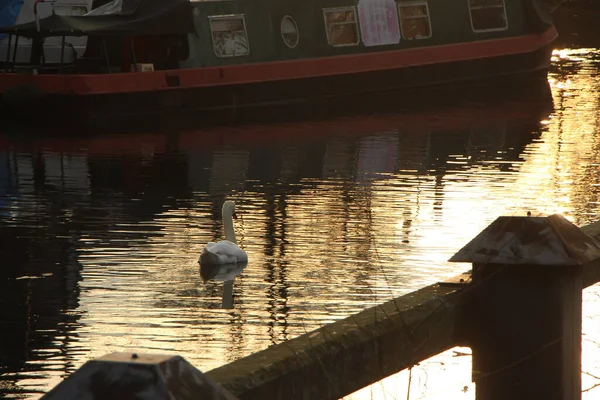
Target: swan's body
point(222, 252)
point(225, 251)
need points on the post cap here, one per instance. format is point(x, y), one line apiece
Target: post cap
point(532, 240)
point(136, 375)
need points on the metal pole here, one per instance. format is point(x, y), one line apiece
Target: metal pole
point(132, 51)
point(8, 50)
point(43, 53)
point(14, 61)
point(62, 53)
point(106, 55)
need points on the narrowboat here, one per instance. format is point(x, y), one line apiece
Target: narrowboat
point(148, 55)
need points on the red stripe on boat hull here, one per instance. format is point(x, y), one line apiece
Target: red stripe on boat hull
point(279, 70)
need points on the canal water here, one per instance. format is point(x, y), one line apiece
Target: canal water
point(100, 235)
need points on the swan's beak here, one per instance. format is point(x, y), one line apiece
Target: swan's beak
point(234, 215)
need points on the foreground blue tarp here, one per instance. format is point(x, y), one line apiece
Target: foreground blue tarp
point(9, 10)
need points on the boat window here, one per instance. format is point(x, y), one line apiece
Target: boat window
point(341, 27)
point(229, 35)
point(289, 32)
point(487, 15)
point(414, 20)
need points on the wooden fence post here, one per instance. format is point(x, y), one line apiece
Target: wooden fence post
point(135, 376)
point(523, 319)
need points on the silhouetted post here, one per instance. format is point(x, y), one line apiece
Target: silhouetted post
point(523, 321)
point(136, 376)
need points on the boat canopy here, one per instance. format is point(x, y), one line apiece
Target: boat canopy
point(135, 18)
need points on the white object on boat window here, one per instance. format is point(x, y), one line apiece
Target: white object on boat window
point(229, 35)
point(341, 27)
point(378, 22)
point(487, 15)
point(289, 32)
point(414, 19)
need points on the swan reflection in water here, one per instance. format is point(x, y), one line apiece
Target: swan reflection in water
point(225, 273)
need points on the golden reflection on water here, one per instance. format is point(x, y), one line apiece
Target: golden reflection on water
point(378, 217)
point(560, 174)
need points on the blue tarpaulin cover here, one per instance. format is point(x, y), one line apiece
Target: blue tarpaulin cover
point(9, 10)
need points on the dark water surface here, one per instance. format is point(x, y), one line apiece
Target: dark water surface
point(100, 235)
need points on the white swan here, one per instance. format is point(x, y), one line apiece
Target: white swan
point(225, 251)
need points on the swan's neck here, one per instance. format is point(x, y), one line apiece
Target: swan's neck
point(228, 227)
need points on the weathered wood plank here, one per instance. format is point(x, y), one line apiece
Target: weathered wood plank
point(349, 354)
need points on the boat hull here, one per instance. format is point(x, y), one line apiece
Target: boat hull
point(410, 81)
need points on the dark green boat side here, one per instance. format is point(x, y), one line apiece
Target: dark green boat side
point(236, 53)
point(421, 24)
